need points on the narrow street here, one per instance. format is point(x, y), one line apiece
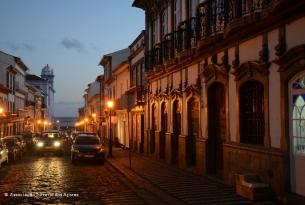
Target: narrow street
point(51, 179)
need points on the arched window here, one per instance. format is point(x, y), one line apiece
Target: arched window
point(251, 113)
point(298, 116)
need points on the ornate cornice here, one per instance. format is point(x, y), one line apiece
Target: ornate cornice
point(192, 90)
point(249, 68)
point(291, 57)
point(213, 72)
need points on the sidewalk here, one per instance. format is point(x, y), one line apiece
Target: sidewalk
point(167, 184)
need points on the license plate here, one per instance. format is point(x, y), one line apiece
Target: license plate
point(88, 155)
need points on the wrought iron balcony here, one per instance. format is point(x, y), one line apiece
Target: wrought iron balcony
point(186, 34)
point(168, 46)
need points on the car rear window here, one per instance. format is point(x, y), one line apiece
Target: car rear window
point(83, 140)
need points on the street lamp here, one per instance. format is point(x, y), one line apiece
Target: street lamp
point(39, 128)
point(94, 121)
point(86, 121)
point(110, 106)
point(44, 125)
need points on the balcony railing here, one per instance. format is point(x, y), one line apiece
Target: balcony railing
point(213, 16)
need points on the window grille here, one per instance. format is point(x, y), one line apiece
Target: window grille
point(252, 121)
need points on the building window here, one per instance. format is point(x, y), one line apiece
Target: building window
point(251, 108)
point(176, 13)
point(191, 8)
point(153, 33)
point(133, 76)
point(164, 23)
point(298, 116)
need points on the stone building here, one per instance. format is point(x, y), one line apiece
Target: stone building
point(226, 88)
point(136, 92)
point(116, 83)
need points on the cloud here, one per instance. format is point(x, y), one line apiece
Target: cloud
point(73, 44)
point(20, 46)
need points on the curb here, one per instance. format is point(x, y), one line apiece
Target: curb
point(149, 192)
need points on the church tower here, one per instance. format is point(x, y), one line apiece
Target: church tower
point(47, 74)
point(48, 88)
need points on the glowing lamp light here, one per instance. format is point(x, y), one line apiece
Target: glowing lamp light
point(110, 104)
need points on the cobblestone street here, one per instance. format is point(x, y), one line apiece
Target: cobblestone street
point(53, 179)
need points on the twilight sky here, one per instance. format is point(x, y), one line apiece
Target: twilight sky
point(69, 35)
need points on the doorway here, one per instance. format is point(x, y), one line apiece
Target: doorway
point(176, 131)
point(193, 131)
point(163, 129)
point(216, 128)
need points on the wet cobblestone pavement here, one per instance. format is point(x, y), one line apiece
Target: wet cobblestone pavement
point(54, 180)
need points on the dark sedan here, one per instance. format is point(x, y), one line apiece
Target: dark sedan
point(87, 147)
point(50, 141)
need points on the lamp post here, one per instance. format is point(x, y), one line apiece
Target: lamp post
point(44, 125)
point(94, 122)
point(110, 106)
point(39, 122)
point(86, 120)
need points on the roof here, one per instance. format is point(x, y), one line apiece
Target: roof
point(7, 60)
point(116, 58)
point(31, 77)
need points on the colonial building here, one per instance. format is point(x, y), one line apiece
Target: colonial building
point(226, 88)
point(34, 108)
point(46, 83)
point(136, 92)
point(13, 94)
point(116, 82)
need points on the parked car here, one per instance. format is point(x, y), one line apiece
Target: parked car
point(87, 147)
point(14, 148)
point(3, 153)
point(29, 139)
point(21, 141)
point(49, 141)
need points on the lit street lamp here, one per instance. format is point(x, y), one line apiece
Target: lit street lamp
point(110, 106)
point(86, 121)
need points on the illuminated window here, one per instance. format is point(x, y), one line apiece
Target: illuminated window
point(298, 116)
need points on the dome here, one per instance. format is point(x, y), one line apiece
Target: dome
point(47, 70)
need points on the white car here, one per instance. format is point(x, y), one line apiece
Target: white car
point(3, 153)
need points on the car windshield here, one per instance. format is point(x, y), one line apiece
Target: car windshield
point(9, 142)
point(50, 135)
point(87, 140)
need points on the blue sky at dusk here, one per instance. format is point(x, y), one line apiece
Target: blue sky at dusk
point(69, 35)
